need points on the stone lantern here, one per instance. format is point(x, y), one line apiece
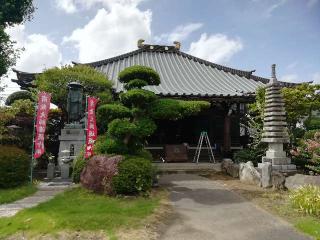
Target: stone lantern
point(275, 131)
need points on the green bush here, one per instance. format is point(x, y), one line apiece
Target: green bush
point(108, 112)
point(78, 166)
point(307, 199)
point(14, 166)
point(312, 123)
point(145, 127)
point(18, 96)
point(143, 153)
point(134, 176)
point(310, 134)
point(248, 154)
point(176, 109)
point(136, 83)
point(137, 97)
point(143, 73)
point(107, 145)
point(121, 127)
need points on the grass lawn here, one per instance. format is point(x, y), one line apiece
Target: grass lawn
point(13, 194)
point(276, 202)
point(305, 223)
point(80, 210)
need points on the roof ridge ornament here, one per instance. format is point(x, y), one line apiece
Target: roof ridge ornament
point(140, 43)
point(273, 79)
point(177, 45)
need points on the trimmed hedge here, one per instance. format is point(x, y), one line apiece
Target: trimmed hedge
point(108, 112)
point(14, 166)
point(143, 73)
point(137, 97)
point(18, 96)
point(134, 176)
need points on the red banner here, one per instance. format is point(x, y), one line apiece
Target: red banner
point(92, 131)
point(41, 122)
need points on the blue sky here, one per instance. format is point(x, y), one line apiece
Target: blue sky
point(244, 34)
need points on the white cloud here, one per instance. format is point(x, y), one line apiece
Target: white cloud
point(274, 6)
point(72, 6)
point(316, 78)
point(216, 48)
point(111, 32)
point(180, 33)
point(289, 78)
point(39, 53)
point(66, 5)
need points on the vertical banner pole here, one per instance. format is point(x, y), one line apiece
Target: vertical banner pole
point(85, 126)
point(33, 133)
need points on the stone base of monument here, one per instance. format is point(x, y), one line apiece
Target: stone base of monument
point(72, 139)
point(278, 159)
point(279, 164)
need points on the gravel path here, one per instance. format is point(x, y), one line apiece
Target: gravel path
point(45, 192)
point(205, 210)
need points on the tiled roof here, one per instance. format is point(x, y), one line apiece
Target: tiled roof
point(182, 74)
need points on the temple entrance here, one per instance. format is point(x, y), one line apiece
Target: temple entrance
point(187, 131)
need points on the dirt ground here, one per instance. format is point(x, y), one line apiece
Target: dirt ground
point(274, 201)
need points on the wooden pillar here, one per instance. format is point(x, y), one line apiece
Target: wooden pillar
point(227, 133)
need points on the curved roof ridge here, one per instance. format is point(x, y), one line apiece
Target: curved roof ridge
point(172, 49)
point(108, 60)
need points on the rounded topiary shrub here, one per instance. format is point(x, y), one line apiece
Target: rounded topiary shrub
point(18, 96)
point(14, 166)
point(135, 175)
point(143, 73)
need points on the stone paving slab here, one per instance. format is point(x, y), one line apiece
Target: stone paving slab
point(45, 193)
point(206, 210)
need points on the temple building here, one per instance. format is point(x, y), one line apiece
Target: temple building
point(187, 77)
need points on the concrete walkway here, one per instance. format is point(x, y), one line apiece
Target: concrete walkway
point(46, 191)
point(205, 210)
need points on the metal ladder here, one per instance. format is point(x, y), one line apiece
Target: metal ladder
point(203, 135)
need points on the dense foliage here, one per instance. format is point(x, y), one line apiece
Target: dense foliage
point(20, 115)
point(11, 12)
point(55, 81)
point(129, 122)
point(250, 154)
point(307, 199)
point(300, 101)
point(176, 109)
point(78, 165)
point(308, 153)
point(312, 123)
point(135, 175)
point(17, 96)
point(14, 166)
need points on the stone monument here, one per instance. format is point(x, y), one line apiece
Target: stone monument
point(275, 131)
point(73, 134)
